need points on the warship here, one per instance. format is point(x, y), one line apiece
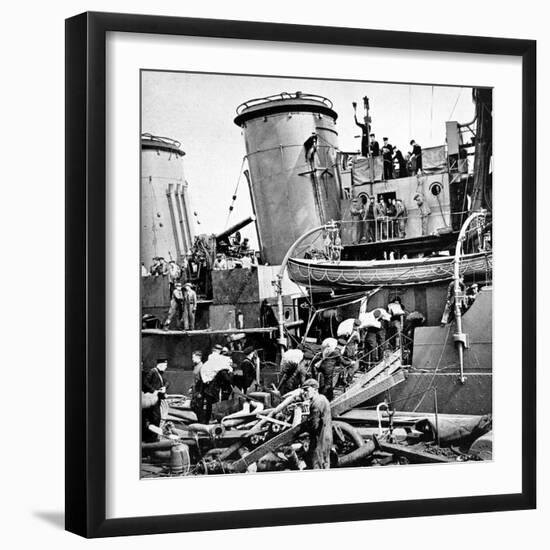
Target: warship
point(340, 235)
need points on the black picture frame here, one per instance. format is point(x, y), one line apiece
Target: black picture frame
point(86, 276)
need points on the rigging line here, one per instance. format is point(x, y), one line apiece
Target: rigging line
point(235, 192)
point(441, 211)
point(156, 210)
point(456, 103)
point(432, 114)
point(410, 110)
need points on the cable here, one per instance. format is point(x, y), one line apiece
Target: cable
point(456, 103)
point(410, 110)
point(431, 113)
point(234, 197)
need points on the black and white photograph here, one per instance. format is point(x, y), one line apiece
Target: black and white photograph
point(316, 274)
point(256, 294)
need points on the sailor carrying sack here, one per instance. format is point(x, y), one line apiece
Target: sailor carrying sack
point(149, 399)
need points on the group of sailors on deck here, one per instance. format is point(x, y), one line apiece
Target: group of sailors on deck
point(394, 163)
point(378, 221)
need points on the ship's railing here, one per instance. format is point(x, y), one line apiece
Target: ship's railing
point(283, 95)
point(161, 139)
point(327, 243)
point(381, 229)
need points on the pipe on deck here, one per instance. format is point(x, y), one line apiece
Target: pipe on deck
point(356, 456)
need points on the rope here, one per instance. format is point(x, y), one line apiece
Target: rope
point(441, 211)
point(410, 110)
point(456, 103)
point(153, 221)
point(431, 113)
point(234, 197)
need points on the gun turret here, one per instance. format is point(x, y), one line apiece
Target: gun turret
point(234, 228)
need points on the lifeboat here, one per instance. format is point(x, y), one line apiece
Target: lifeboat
point(361, 273)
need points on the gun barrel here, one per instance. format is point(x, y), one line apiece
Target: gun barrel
point(235, 228)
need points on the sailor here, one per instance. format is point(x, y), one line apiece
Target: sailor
point(154, 266)
point(183, 269)
point(267, 315)
point(381, 332)
point(247, 368)
point(310, 148)
point(152, 382)
point(416, 157)
point(412, 321)
point(219, 263)
point(381, 221)
point(224, 379)
point(176, 306)
point(471, 294)
point(197, 400)
point(364, 131)
point(236, 240)
point(401, 218)
point(174, 274)
point(371, 324)
point(402, 163)
point(370, 220)
point(331, 359)
point(196, 359)
point(327, 244)
point(424, 211)
point(374, 146)
point(189, 307)
point(349, 345)
point(246, 261)
point(387, 155)
point(391, 212)
point(192, 268)
point(319, 426)
point(245, 246)
point(352, 345)
point(357, 214)
point(318, 423)
point(216, 376)
point(293, 371)
point(144, 270)
point(395, 309)
point(449, 311)
point(337, 247)
point(162, 268)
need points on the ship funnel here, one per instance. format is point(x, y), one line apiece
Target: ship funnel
point(291, 144)
point(166, 228)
